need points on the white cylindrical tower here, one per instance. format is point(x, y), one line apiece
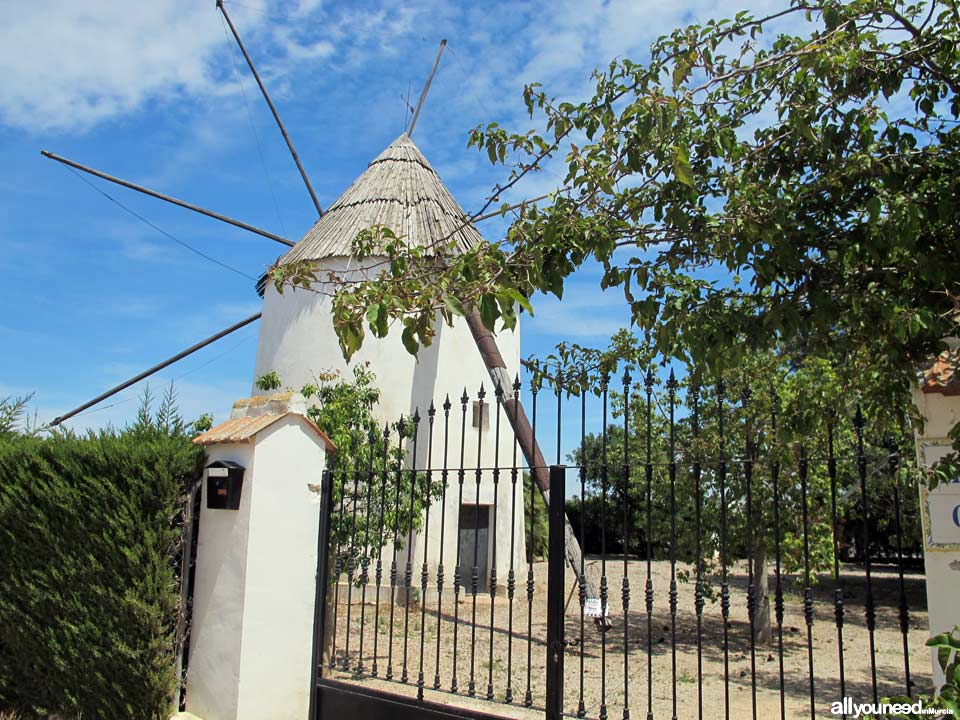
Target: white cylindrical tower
point(400, 190)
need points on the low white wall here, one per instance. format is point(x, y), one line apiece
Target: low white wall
point(213, 679)
point(940, 511)
point(256, 583)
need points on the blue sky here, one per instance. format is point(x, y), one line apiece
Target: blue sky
point(157, 94)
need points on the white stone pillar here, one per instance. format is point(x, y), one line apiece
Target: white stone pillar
point(940, 513)
point(253, 611)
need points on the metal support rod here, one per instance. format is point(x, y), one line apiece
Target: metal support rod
point(320, 600)
point(167, 198)
point(276, 116)
point(426, 88)
point(156, 368)
point(555, 592)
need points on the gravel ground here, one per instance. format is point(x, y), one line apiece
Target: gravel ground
point(505, 668)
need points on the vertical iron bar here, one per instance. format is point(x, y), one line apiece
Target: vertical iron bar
point(837, 584)
point(320, 599)
point(498, 394)
point(367, 521)
point(401, 430)
point(604, 480)
point(807, 591)
point(337, 528)
point(408, 567)
point(475, 576)
point(904, 613)
point(751, 593)
point(512, 577)
point(374, 670)
point(528, 696)
point(648, 531)
point(556, 564)
point(724, 587)
point(443, 526)
point(424, 575)
point(559, 393)
point(625, 584)
point(464, 399)
point(859, 423)
point(352, 548)
point(672, 470)
point(698, 599)
point(778, 584)
point(581, 579)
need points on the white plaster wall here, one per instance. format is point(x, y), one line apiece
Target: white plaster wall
point(218, 600)
point(256, 582)
point(297, 341)
point(280, 582)
point(940, 413)
point(941, 560)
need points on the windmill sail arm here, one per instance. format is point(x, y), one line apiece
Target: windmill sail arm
point(155, 369)
point(273, 110)
point(166, 198)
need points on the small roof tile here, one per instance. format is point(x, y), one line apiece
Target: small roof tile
point(244, 429)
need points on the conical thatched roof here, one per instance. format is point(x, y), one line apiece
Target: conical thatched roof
point(398, 190)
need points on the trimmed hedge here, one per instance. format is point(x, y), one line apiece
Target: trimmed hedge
point(89, 533)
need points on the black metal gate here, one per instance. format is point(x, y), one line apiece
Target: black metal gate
point(778, 570)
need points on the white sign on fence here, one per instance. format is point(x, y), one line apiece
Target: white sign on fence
point(943, 513)
point(941, 506)
point(591, 608)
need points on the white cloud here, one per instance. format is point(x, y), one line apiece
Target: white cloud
point(70, 65)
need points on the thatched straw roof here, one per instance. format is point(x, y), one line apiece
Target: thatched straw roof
point(398, 190)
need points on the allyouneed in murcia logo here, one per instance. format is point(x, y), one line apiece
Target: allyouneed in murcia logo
point(894, 709)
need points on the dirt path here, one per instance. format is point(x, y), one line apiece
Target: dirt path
point(505, 668)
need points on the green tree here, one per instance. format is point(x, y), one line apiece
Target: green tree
point(12, 414)
point(91, 530)
point(811, 417)
point(814, 172)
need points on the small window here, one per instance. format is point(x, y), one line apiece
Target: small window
point(481, 414)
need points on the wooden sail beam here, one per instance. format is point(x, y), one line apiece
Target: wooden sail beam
point(155, 369)
point(513, 409)
point(167, 198)
point(273, 110)
point(426, 88)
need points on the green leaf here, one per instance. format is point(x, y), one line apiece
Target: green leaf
point(519, 298)
point(681, 166)
point(454, 305)
point(489, 312)
point(409, 339)
point(377, 318)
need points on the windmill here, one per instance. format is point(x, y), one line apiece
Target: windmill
point(399, 190)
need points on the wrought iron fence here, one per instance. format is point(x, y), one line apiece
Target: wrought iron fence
point(712, 509)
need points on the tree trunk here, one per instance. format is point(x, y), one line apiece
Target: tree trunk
point(761, 625)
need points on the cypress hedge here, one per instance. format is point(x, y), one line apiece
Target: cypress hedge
point(89, 534)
